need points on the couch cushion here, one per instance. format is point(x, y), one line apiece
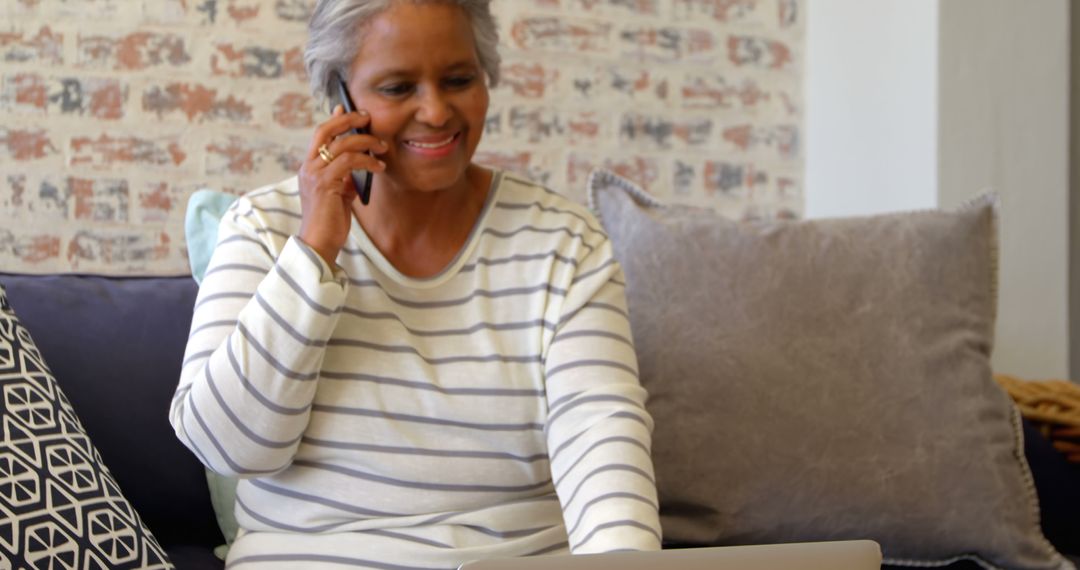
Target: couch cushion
point(205, 209)
point(59, 505)
point(201, 218)
point(826, 379)
point(1058, 484)
point(115, 345)
point(195, 558)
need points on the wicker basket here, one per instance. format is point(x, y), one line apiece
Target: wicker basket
point(1053, 406)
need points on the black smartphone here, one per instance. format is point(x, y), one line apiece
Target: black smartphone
point(361, 178)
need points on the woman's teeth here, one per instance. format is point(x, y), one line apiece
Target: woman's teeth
point(431, 145)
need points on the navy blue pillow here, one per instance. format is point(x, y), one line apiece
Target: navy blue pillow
point(115, 345)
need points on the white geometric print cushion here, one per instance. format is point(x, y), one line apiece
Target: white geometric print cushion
point(59, 506)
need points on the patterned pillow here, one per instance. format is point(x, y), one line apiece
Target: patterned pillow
point(59, 506)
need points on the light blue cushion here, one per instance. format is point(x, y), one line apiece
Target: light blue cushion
point(204, 210)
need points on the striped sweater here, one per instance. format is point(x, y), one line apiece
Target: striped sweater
point(378, 419)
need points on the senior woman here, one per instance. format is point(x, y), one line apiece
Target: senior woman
point(443, 374)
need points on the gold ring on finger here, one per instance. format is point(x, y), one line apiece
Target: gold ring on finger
point(325, 154)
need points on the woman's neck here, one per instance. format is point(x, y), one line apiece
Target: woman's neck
point(419, 233)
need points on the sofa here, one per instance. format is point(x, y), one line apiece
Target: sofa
point(115, 346)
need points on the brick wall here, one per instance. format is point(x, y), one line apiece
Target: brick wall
point(113, 111)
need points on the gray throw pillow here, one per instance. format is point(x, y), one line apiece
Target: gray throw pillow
point(826, 380)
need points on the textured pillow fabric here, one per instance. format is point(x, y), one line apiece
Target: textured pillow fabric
point(201, 219)
point(826, 379)
point(59, 505)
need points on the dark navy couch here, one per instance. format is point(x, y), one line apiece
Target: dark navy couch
point(115, 346)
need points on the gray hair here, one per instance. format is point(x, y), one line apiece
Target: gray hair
point(336, 31)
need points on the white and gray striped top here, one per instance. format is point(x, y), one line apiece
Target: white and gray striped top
point(379, 420)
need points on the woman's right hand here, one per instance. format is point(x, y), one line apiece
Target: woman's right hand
point(326, 188)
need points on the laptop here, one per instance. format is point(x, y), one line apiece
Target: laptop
point(838, 555)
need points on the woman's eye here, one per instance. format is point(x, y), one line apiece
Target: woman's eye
point(460, 81)
point(395, 89)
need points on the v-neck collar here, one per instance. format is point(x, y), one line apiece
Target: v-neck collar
point(363, 241)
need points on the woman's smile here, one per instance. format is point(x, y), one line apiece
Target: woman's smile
point(435, 146)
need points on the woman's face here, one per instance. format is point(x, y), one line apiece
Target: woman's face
point(418, 75)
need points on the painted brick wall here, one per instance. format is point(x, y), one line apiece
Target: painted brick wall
point(113, 111)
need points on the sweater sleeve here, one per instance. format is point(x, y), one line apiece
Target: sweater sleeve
point(251, 365)
point(598, 431)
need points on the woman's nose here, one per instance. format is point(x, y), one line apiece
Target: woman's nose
point(434, 109)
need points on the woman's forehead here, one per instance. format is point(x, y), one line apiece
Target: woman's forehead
point(410, 35)
point(406, 25)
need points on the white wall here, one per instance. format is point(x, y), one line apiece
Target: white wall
point(1074, 193)
point(871, 106)
point(981, 86)
point(1003, 113)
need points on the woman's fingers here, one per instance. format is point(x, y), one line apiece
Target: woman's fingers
point(338, 124)
point(345, 163)
point(349, 144)
point(353, 152)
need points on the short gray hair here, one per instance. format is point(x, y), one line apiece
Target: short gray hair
point(336, 30)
